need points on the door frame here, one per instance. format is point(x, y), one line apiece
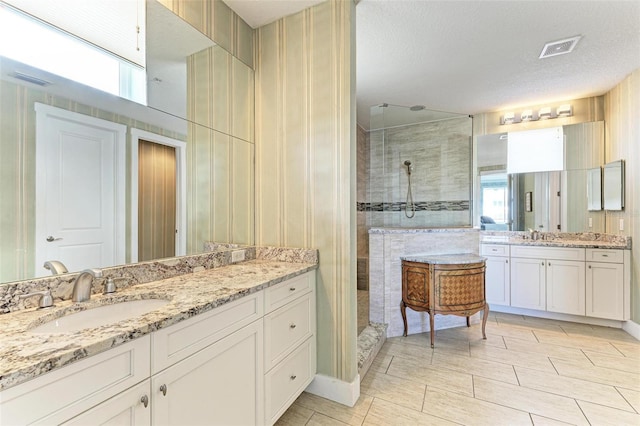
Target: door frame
point(43, 112)
point(181, 188)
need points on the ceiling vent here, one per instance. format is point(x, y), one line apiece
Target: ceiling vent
point(31, 79)
point(559, 47)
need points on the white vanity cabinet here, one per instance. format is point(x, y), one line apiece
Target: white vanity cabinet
point(222, 367)
point(498, 274)
point(605, 279)
point(548, 278)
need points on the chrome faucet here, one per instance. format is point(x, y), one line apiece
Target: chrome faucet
point(82, 284)
point(56, 267)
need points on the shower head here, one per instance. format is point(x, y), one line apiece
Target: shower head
point(407, 163)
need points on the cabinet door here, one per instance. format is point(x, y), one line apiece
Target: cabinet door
point(528, 283)
point(605, 290)
point(223, 384)
point(498, 281)
point(127, 408)
point(565, 287)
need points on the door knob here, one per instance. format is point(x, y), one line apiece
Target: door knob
point(50, 239)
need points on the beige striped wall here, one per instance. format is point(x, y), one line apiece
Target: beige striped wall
point(622, 135)
point(305, 161)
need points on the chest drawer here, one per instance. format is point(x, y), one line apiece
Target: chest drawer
point(605, 255)
point(174, 343)
point(541, 252)
point(284, 383)
point(494, 250)
point(286, 328)
point(281, 294)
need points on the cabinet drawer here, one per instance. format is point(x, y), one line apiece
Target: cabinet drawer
point(539, 252)
point(494, 250)
point(288, 379)
point(605, 255)
point(64, 393)
point(281, 294)
point(178, 341)
point(286, 328)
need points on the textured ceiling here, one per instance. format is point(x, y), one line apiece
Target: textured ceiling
point(257, 13)
point(479, 56)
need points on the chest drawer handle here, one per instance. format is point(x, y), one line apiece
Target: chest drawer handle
point(145, 401)
point(292, 289)
point(605, 255)
point(292, 326)
point(163, 389)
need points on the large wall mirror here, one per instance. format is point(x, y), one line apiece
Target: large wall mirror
point(199, 116)
point(549, 200)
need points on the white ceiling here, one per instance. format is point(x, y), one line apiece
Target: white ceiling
point(257, 13)
point(479, 56)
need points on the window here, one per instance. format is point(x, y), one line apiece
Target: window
point(494, 197)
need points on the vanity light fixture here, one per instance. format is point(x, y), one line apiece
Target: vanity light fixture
point(564, 111)
point(528, 115)
point(544, 113)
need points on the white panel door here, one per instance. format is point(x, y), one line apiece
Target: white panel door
point(605, 290)
point(497, 281)
point(80, 190)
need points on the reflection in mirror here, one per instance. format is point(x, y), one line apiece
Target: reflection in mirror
point(546, 210)
point(594, 189)
point(614, 185)
point(218, 162)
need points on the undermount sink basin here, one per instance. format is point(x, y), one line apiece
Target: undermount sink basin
point(99, 316)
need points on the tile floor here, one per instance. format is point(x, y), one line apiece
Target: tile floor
point(528, 371)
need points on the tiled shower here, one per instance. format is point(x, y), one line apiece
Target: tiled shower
point(439, 147)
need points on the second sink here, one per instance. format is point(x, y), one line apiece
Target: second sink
point(99, 316)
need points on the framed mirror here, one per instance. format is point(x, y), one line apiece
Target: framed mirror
point(594, 189)
point(613, 192)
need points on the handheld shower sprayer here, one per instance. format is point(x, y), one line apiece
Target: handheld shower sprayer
point(410, 207)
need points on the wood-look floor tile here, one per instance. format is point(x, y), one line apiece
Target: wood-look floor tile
point(476, 366)
point(530, 322)
point(532, 360)
point(585, 343)
point(472, 334)
point(556, 351)
point(628, 349)
point(620, 362)
point(432, 376)
point(572, 388)
point(601, 415)
point(380, 363)
point(296, 415)
point(321, 420)
point(349, 415)
point(393, 389)
point(545, 421)
point(598, 333)
point(384, 413)
point(602, 375)
point(529, 400)
point(632, 397)
point(395, 348)
point(522, 333)
point(470, 411)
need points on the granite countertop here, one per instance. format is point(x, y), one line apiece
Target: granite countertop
point(549, 239)
point(26, 355)
point(392, 230)
point(445, 259)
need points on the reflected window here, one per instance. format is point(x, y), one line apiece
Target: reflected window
point(40, 45)
point(494, 201)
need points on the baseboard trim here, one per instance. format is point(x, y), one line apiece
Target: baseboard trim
point(345, 393)
point(633, 328)
point(557, 316)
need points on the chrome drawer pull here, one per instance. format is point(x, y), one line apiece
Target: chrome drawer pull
point(145, 401)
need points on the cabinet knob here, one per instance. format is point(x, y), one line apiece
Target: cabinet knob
point(145, 401)
point(293, 377)
point(292, 289)
point(549, 263)
point(589, 266)
point(163, 389)
point(292, 326)
point(542, 263)
point(507, 260)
